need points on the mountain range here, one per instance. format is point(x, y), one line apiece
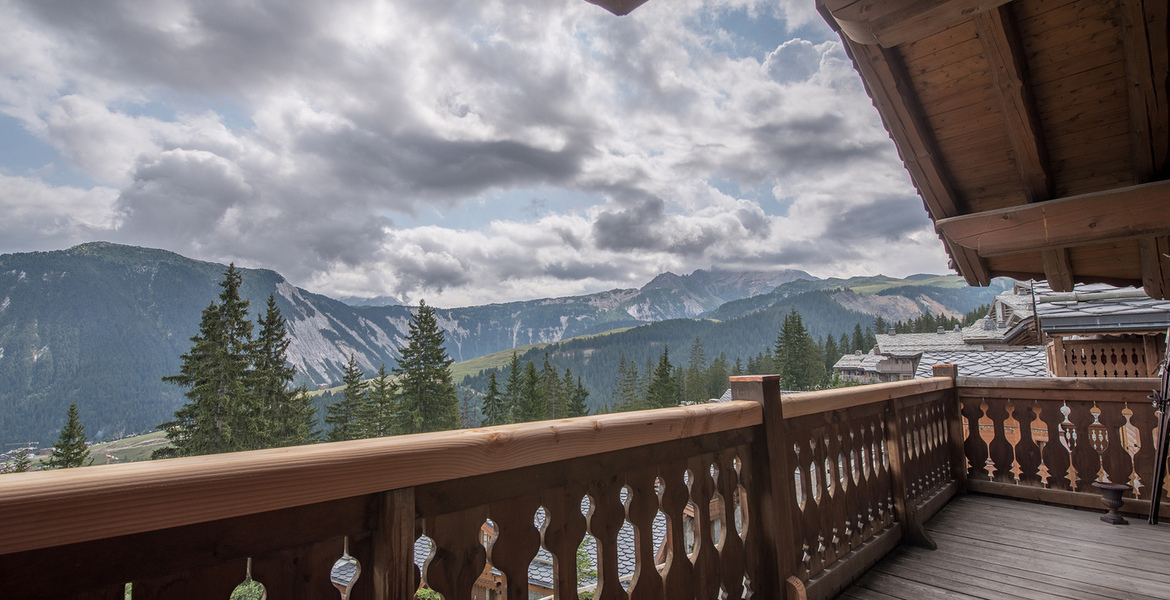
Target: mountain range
point(101, 323)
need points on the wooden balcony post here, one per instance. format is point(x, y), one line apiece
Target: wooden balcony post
point(905, 511)
point(955, 428)
point(775, 510)
point(393, 569)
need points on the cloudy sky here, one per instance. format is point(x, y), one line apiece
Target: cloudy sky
point(462, 151)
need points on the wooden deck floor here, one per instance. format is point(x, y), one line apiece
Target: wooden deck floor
point(999, 548)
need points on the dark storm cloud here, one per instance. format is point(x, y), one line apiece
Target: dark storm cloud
point(883, 220)
point(418, 165)
point(631, 228)
point(576, 270)
point(220, 45)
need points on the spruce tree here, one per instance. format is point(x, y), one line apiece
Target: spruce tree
point(695, 389)
point(342, 416)
point(20, 463)
point(215, 371)
point(577, 405)
point(495, 411)
point(281, 415)
point(530, 406)
point(555, 400)
point(662, 392)
point(798, 358)
point(72, 448)
point(512, 387)
point(379, 414)
point(426, 396)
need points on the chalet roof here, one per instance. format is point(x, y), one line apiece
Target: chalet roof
point(910, 344)
point(1099, 308)
point(1032, 361)
point(859, 362)
point(1036, 131)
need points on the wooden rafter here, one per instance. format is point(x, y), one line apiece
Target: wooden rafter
point(892, 22)
point(1058, 269)
point(1155, 257)
point(885, 79)
point(1131, 212)
point(1001, 46)
point(1145, 27)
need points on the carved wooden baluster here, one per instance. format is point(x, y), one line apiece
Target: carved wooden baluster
point(641, 508)
point(1085, 458)
point(750, 502)
point(809, 519)
point(1011, 432)
point(885, 482)
point(1116, 461)
point(1145, 421)
point(1027, 450)
point(869, 479)
point(706, 555)
point(605, 520)
point(974, 446)
point(853, 496)
point(1130, 439)
point(459, 556)
point(998, 446)
point(562, 532)
point(837, 536)
point(515, 542)
point(825, 479)
point(217, 581)
point(730, 544)
point(678, 576)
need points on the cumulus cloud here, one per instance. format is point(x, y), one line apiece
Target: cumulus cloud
point(317, 139)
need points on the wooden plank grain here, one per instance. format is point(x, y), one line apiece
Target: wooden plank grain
point(50, 508)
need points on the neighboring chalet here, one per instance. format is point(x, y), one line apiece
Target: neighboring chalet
point(1097, 330)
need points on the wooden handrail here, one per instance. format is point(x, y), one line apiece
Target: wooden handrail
point(1120, 389)
point(799, 404)
point(51, 508)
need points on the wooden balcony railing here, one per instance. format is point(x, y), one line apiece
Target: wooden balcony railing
point(762, 497)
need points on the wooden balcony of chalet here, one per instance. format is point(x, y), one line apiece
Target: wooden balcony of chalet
point(820, 486)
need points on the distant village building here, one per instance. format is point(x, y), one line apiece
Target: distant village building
point(1096, 330)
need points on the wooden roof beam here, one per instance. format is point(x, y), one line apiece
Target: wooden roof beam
point(1146, 48)
point(1005, 57)
point(1058, 269)
point(1131, 212)
point(1155, 257)
point(892, 22)
point(885, 79)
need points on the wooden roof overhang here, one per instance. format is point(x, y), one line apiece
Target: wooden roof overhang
point(1035, 130)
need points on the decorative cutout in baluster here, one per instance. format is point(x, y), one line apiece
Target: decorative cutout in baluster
point(1099, 439)
point(1011, 431)
point(987, 434)
point(1040, 436)
point(515, 542)
point(561, 533)
point(250, 588)
point(1068, 439)
point(1131, 440)
point(345, 571)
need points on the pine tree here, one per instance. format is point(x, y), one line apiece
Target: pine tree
point(831, 354)
point(512, 387)
point(426, 395)
point(215, 370)
point(797, 356)
point(72, 448)
point(21, 463)
point(530, 406)
point(858, 342)
point(555, 400)
point(281, 415)
point(577, 406)
point(495, 411)
point(343, 416)
point(379, 414)
point(717, 374)
point(843, 345)
point(627, 392)
point(662, 392)
point(695, 389)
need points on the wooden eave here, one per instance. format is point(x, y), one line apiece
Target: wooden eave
point(1036, 131)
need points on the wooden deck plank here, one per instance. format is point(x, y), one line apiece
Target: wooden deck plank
point(994, 548)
